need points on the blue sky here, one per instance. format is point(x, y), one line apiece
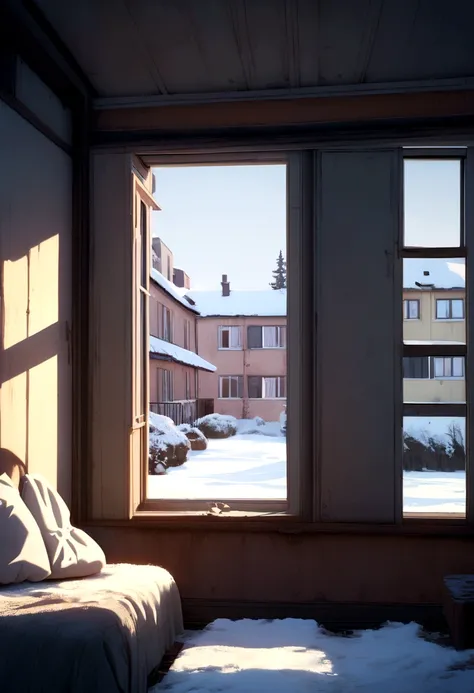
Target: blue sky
point(232, 219)
point(223, 220)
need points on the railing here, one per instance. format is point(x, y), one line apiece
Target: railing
point(183, 411)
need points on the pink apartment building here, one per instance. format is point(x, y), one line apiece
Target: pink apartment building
point(222, 351)
point(243, 333)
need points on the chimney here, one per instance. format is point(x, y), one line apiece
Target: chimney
point(225, 286)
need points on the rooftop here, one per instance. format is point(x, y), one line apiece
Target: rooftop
point(171, 289)
point(433, 273)
point(176, 353)
point(240, 303)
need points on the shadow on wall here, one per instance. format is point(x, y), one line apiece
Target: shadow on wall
point(35, 279)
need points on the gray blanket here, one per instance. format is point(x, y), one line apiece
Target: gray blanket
point(102, 634)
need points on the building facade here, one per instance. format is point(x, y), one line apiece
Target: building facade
point(244, 334)
point(433, 314)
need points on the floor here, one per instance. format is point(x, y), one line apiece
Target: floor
point(295, 656)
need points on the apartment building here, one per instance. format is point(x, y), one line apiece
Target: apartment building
point(243, 333)
point(433, 314)
point(174, 363)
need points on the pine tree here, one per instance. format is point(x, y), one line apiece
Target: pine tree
point(279, 275)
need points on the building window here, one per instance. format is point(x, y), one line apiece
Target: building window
point(273, 387)
point(411, 309)
point(231, 387)
point(188, 385)
point(168, 268)
point(165, 385)
point(448, 367)
point(416, 367)
point(266, 337)
point(165, 323)
point(230, 337)
point(187, 334)
point(450, 309)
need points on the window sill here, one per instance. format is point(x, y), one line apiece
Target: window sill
point(449, 319)
point(229, 348)
point(284, 523)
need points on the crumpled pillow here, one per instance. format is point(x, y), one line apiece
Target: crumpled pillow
point(23, 555)
point(72, 553)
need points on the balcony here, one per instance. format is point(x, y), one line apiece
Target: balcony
point(183, 411)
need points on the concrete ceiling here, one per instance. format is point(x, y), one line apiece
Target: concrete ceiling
point(181, 47)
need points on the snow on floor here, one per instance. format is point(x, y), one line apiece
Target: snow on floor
point(294, 656)
point(253, 465)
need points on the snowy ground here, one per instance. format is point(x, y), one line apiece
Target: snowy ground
point(293, 656)
point(251, 465)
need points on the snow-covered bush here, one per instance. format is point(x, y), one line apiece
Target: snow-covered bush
point(197, 439)
point(217, 425)
point(168, 446)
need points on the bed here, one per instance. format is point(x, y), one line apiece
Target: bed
point(100, 634)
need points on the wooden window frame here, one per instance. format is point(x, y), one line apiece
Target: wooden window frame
point(447, 409)
point(110, 171)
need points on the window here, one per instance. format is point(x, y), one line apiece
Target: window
point(416, 367)
point(168, 268)
point(231, 387)
point(449, 309)
point(187, 334)
point(165, 385)
point(262, 387)
point(448, 367)
point(188, 385)
point(266, 337)
point(411, 309)
point(230, 337)
point(434, 409)
point(165, 323)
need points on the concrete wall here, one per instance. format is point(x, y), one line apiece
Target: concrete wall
point(35, 261)
point(244, 362)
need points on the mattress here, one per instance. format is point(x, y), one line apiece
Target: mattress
point(101, 634)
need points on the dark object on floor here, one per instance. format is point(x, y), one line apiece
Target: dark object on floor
point(459, 609)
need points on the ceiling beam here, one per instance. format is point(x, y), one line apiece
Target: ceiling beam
point(433, 85)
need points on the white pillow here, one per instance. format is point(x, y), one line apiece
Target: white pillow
point(23, 554)
point(72, 553)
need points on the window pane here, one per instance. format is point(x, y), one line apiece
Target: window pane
point(225, 390)
point(457, 309)
point(442, 309)
point(432, 203)
point(436, 289)
point(226, 262)
point(224, 338)
point(434, 464)
point(458, 367)
point(270, 388)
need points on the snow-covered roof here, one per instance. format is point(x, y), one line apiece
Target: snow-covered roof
point(264, 303)
point(171, 289)
point(444, 274)
point(178, 354)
